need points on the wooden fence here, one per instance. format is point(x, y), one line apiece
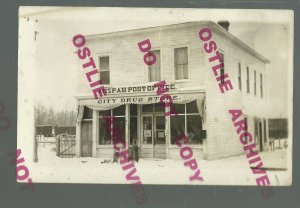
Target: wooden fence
point(65, 145)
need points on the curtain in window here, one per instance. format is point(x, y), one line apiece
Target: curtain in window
point(181, 63)
point(201, 105)
point(154, 69)
point(181, 56)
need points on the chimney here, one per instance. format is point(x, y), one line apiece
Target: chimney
point(225, 24)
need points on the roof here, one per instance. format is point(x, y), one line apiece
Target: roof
point(211, 24)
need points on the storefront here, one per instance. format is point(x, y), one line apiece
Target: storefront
point(142, 119)
point(183, 64)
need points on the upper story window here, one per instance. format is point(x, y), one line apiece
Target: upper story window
point(181, 63)
point(104, 70)
point(222, 70)
point(240, 77)
point(261, 86)
point(154, 69)
point(254, 82)
point(248, 81)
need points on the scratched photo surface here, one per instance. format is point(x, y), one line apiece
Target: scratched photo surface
point(155, 96)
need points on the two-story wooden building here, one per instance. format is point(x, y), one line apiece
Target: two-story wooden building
point(182, 63)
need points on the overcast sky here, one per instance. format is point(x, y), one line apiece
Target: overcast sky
point(56, 61)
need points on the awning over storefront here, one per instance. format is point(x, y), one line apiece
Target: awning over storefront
point(110, 102)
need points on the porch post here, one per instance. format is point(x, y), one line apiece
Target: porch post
point(78, 139)
point(267, 129)
point(168, 131)
point(127, 125)
point(95, 132)
point(139, 130)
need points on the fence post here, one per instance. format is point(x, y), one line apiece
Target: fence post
point(57, 146)
point(35, 156)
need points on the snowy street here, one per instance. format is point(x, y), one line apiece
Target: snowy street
point(228, 171)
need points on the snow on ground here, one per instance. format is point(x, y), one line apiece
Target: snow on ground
point(228, 171)
point(275, 159)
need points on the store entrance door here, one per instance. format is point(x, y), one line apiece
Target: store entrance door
point(86, 139)
point(154, 139)
point(159, 136)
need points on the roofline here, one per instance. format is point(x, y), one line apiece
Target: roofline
point(241, 43)
point(213, 25)
point(145, 29)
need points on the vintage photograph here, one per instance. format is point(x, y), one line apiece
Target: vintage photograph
point(156, 95)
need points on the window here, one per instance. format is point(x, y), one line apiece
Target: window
point(261, 86)
point(151, 108)
point(154, 69)
point(265, 130)
point(87, 113)
point(222, 70)
point(240, 77)
point(256, 130)
point(105, 136)
point(246, 121)
point(133, 124)
point(86, 132)
point(248, 81)
point(155, 124)
point(104, 70)
point(181, 63)
point(187, 122)
point(147, 108)
point(254, 82)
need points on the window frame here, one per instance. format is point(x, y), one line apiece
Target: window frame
point(160, 67)
point(222, 70)
point(188, 62)
point(247, 126)
point(265, 130)
point(133, 116)
point(261, 85)
point(248, 79)
point(185, 127)
point(87, 119)
point(98, 127)
point(240, 76)
point(99, 55)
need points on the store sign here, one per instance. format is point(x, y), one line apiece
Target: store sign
point(133, 100)
point(136, 89)
point(142, 99)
